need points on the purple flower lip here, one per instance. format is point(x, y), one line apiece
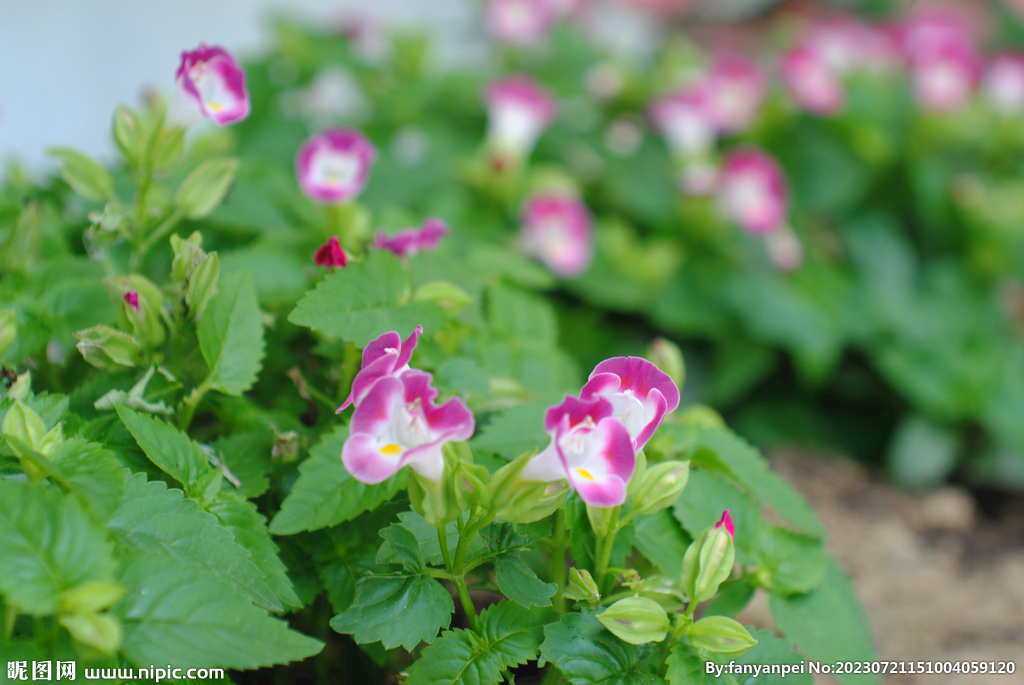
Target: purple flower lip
point(211, 78)
point(409, 241)
point(519, 110)
point(813, 81)
point(558, 230)
point(388, 355)
point(330, 254)
point(639, 393)
point(753, 192)
point(334, 165)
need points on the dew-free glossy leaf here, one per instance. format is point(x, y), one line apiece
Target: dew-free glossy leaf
point(397, 610)
point(586, 653)
point(167, 447)
point(231, 334)
point(518, 582)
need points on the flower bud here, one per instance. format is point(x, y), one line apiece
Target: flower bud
point(107, 348)
point(470, 482)
point(722, 635)
point(20, 388)
point(436, 502)
point(521, 501)
point(142, 303)
point(202, 284)
point(667, 356)
point(128, 134)
point(23, 423)
point(8, 330)
point(54, 437)
point(636, 620)
point(661, 486)
point(99, 631)
point(188, 254)
point(708, 561)
point(581, 586)
point(204, 189)
point(95, 596)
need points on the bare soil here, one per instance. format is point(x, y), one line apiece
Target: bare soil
point(940, 574)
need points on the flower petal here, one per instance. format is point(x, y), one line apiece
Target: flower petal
point(640, 376)
point(408, 346)
point(376, 410)
point(577, 411)
point(368, 461)
point(655, 407)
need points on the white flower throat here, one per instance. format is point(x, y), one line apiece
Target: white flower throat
point(628, 409)
point(211, 87)
point(334, 169)
point(408, 429)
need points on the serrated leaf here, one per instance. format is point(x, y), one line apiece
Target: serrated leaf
point(50, 544)
point(586, 653)
point(250, 530)
point(167, 447)
point(51, 408)
point(231, 335)
point(827, 624)
point(425, 536)
point(396, 610)
point(685, 667)
point(153, 518)
point(790, 562)
point(508, 636)
point(733, 596)
point(660, 538)
point(519, 583)
point(248, 458)
point(405, 546)
point(91, 472)
point(701, 505)
point(326, 494)
point(365, 300)
point(181, 614)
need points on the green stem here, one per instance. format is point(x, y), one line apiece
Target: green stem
point(605, 547)
point(467, 602)
point(162, 231)
point(459, 566)
point(192, 402)
point(558, 547)
point(442, 539)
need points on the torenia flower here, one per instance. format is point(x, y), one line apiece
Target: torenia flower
point(557, 230)
point(945, 65)
point(409, 241)
point(684, 119)
point(522, 23)
point(736, 87)
point(330, 254)
point(640, 394)
point(397, 424)
point(589, 448)
point(812, 81)
point(334, 165)
point(518, 112)
point(1004, 83)
point(752, 191)
point(388, 355)
point(726, 522)
point(212, 78)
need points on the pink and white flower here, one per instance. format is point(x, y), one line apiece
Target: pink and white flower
point(752, 191)
point(684, 119)
point(409, 241)
point(640, 394)
point(330, 254)
point(523, 23)
point(813, 81)
point(735, 89)
point(397, 424)
point(589, 448)
point(212, 79)
point(557, 229)
point(726, 522)
point(944, 60)
point(334, 165)
point(1004, 83)
point(388, 355)
point(518, 110)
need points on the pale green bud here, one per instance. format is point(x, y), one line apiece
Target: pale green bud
point(581, 586)
point(470, 482)
point(94, 596)
point(20, 388)
point(667, 356)
point(636, 620)
point(521, 501)
point(146, 322)
point(23, 423)
point(660, 486)
point(128, 134)
point(187, 256)
point(202, 284)
point(107, 348)
point(99, 631)
point(722, 635)
point(54, 437)
point(436, 502)
point(708, 563)
point(8, 329)
point(204, 189)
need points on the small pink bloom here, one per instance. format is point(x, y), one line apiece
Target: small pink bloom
point(409, 241)
point(726, 522)
point(388, 355)
point(736, 87)
point(589, 448)
point(640, 393)
point(518, 112)
point(397, 424)
point(212, 78)
point(684, 118)
point(132, 299)
point(522, 23)
point(848, 45)
point(752, 191)
point(812, 81)
point(1004, 83)
point(334, 165)
point(330, 254)
point(945, 81)
point(557, 230)
point(931, 30)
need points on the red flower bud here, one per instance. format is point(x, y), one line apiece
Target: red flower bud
point(330, 254)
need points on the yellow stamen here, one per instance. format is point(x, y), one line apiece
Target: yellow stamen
point(585, 474)
point(390, 450)
point(214, 106)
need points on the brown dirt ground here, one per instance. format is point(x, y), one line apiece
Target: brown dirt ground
point(938, 579)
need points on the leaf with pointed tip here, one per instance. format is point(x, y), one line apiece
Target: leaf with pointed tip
point(397, 610)
point(231, 335)
point(167, 447)
point(518, 582)
point(585, 653)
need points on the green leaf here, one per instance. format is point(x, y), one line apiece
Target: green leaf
point(250, 530)
point(493, 540)
point(91, 472)
point(405, 546)
point(365, 300)
point(701, 505)
point(685, 667)
point(518, 582)
point(86, 176)
point(513, 431)
point(827, 624)
point(231, 335)
point(167, 447)
point(588, 654)
point(768, 653)
point(175, 613)
point(154, 518)
point(508, 636)
point(790, 562)
point(247, 457)
point(662, 541)
point(733, 596)
point(325, 494)
point(744, 464)
point(204, 189)
point(397, 610)
point(49, 545)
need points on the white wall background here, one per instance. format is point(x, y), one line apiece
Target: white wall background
point(66, 64)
